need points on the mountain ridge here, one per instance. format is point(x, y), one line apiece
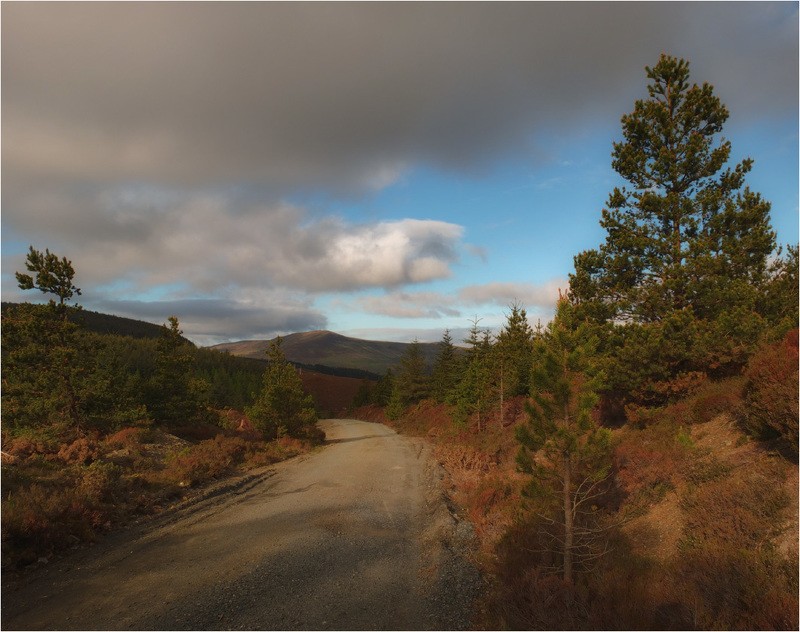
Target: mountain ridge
point(323, 347)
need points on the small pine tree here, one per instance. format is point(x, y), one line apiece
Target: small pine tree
point(514, 350)
point(383, 389)
point(564, 451)
point(474, 392)
point(282, 406)
point(446, 367)
point(411, 384)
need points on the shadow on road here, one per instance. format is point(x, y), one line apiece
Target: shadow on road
point(351, 439)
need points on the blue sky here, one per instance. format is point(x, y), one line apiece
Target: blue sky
point(381, 170)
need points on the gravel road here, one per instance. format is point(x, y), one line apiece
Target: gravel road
point(357, 535)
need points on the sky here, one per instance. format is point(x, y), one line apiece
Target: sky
point(382, 170)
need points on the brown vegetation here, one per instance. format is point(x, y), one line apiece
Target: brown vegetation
point(332, 394)
point(60, 493)
point(702, 518)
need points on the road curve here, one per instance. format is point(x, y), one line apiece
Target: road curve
point(353, 536)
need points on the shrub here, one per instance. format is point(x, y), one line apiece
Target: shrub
point(729, 588)
point(770, 408)
point(126, 438)
point(206, 460)
point(716, 398)
point(82, 451)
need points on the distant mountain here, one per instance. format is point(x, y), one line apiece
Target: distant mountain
point(333, 350)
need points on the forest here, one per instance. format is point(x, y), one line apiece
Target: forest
point(631, 464)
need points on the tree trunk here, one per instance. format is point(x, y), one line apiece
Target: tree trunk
point(568, 528)
point(502, 417)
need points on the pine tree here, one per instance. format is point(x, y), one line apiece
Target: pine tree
point(564, 451)
point(474, 391)
point(41, 350)
point(513, 352)
point(411, 384)
point(174, 395)
point(282, 407)
point(688, 234)
point(445, 372)
point(780, 305)
point(684, 265)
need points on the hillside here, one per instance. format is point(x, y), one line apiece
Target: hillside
point(701, 522)
point(330, 349)
point(110, 324)
point(332, 394)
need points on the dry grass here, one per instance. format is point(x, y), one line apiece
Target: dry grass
point(57, 495)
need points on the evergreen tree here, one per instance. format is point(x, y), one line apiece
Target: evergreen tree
point(383, 389)
point(411, 384)
point(513, 352)
point(474, 392)
point(780, 305)
point(687, 246)
point(282, 406)
point(445, 372)
point(175, 396)
point(42, 344)
point(364, 394)
point(564, 451)
point(687, 234)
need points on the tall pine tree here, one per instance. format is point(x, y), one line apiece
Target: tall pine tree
point(41, 351)
point(685, 261)
point(687, 235)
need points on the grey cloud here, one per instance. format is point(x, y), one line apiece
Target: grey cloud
point(540, 297)
point(410, 305)
point(342, 95)
point(458, 335)
point(207, 242)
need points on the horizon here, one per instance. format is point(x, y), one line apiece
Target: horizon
point(384, 172)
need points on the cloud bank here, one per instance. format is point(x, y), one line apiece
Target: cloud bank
point(157, 144)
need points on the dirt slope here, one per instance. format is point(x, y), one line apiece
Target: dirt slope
point(354, 536)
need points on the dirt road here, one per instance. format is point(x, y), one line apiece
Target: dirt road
point(354, 536)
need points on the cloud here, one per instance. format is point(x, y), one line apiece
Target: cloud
point(218, 320)
point(410, 305)
point(147, 237)
point(156, 144)
point(539, 297)
point(346, 96)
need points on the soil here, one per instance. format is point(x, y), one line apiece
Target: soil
point(357, 535)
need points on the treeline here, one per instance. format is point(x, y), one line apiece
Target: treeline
point(55, 371)
point(61, 375)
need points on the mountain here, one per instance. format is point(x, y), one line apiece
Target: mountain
point(334, 350)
